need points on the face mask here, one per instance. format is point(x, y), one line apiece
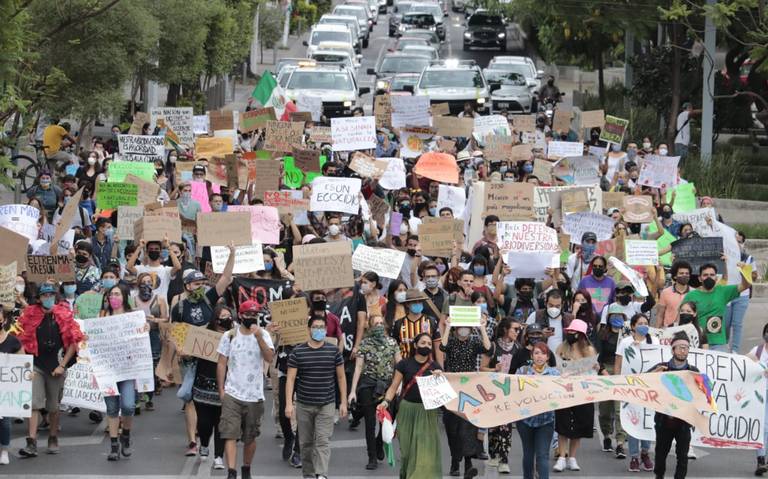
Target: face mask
point(225, 323)
point(666, 215)
point(431, 282)
point(663, 151)
point(463, 332)
point(20, 288)
point(616, 322)
point(479, 270)
point(378, 331)
point(319, 304)
point(572, 338)
point(528, 168)
point(269, 266)
point(642, 330)
point(91, 161)
point(115, 303)
point(615, 147)
point(527, 295)
point(69, 289)
point(598, 271)
point(45, 183)
point(247, 322)
point(587, 250)
point(631, 153)
point(624, 299)
point(197, 294)
point(424, 351)
point(380, 138)
point(145, 292)
point(683, 280)
point(433, 211)
point(411, 252)
point(48, 303)
point(708, 283)
point(416, 308)
point(646, 146)
point(81, 258)
point(440, 268)
point(686, 318)
point(318, 334)
point(186, 196)
point(165, 254)
point(333, 230)
point(484, 308)
point(553, 312)
point(172, 158)
point(107, 283)
point(153, 255)
point(365, 288)
point(533, 340)
point(216, 207)
point(400, 296)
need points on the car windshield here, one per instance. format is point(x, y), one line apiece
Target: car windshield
point(435, 10)
point(329, 57)
point(482, 20)
point(406, 42)
point(355, 12)
point(428, 36)
point(430, 53)
point(418, 19)
point(398, 83)
point(514, 79)
point(321, 36)
point(403, 65)
point(521, 68)
point(451, 79)
point(315, 80)
point(351, 24)
point(404, 7)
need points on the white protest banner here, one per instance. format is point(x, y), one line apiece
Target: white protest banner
point(248, 258)
point(410, 110)
point(528, 247)
point(490, 125)
point(119, 350)
point(633, 276)
point(598, 151)
point(353, 133)
point(641, 253)
point(15, 385)
point(81, 388)
point(174, 122)
point(394, 177)
point(382, 261)
point(453, 197)
point(541, 202)
point(730, 249)
point(414, 140)
point(312, 104)
point(435, 391)
point(576, 224)
point(585, 170)
point(464, 316)
point(564, 149)
point(142, 148)
point(335, 194)
point(126, 218)
point(200, 124)
point(21, 219)
point(665, 335)
point(577, 367)
point(615, 162)
point(738, 388)
point(703, 220)
point(659, 171)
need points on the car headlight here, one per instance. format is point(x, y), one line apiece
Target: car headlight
point(481, 101)
point(467, 35)
point(381, 85)
point(348, 103)
point(502, 35)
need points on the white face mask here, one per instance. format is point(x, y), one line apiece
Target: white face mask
point(553, 312)
point(400, 296)
point(91, 161)
point(19, 288)
point(333, 230)
point(463, 332)
point(663, 151)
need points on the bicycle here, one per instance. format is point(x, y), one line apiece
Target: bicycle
point(29, 173)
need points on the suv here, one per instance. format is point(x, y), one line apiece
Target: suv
point(437, 12)
point(485, 29)
point(415, 21)
point(350, 22)
point(454, 82)
point(328, 33)
point(335, 84)
point(359, 12)
point(394, 63)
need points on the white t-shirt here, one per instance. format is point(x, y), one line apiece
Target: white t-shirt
point(162, 275)
point(576, 270)
point(245, 373)
point(763, 355)
point(629, 310)
point(557, 324)
point(630, 341)
point(684, 134)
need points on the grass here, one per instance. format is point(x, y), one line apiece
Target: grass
point(752, 231)
point(721, 177)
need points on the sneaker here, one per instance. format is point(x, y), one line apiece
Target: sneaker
point(30, 450)
point(573, 465)
point(372, 464)
point(634, 465)
point(245, 472)
point(287, 449)
point(125, 445)
point(74, 411)
point(4, 459)
point(232, 474)
point(149, 406)
point(203, 451)
point(692, 454)
point(559, 464)
point(620, 454)
point(647, 462)
point(53, 445)
point(481, 456)
point(493, 462)
point(607, 447)
point(279, 434)
point(503, 468)
point(761, 467)
point(295, 461)
point(353, 424)
point(218, 463)
point(114, 453)
point(470, 473)
point(192, 450)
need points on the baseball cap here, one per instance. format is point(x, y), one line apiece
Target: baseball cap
point(621, 285)
point(613, 210)
point(46, 288)
point(193, 276)
point(588, 235)
point(249, 307)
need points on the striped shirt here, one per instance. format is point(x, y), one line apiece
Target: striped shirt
point(405, 330)
point(316, 373)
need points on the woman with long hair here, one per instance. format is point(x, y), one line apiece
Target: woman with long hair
point(156, 310)
point(582, 309)
point(395, 308)
point(370, 288)
point(688, 313)
point(759, 354)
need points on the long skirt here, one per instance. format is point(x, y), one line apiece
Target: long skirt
point(419, 439)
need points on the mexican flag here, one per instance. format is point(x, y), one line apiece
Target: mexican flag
point(269, 93)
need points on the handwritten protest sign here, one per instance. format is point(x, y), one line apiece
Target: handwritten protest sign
point(201, 342)
point(485, 125)
point(564, 149)
point(267, 177)
point(464, 316)
point(208, 147)
point(201, 125)
point(441, 109)
point(354, 133)
point(157, 228)
point(21, 219)
point(521, 152)
point(584, 170)
point(435, 391)
point(576, 224)
point(493, 399)
point(509, 201)
point(700, 251)
point(112, 195)
point(81, 388)
point(528, 247)
point(613, 200)
point(291, 316)
point(633, 276)
point(14, 249)
point(335, 194)
point(146, 192)
point(368, 167)
point(659, 171)
point(382, 110)
point(703, 220)
point(176, 123)
point(666, 334)
point(451, 126)
point(255, 119)
point(139, 119)
point(541, 200)
point(323, 265)
point(67, 217)
point(283, 136)
point(437, 236)
point(119, 169)
point(7, 282)
point(248, 259)
point(394, 177)
point(265, 223)
point(383, 261)
point(641, 253)
point(219, 229)
point(306, 160)
point(140, 148)
point(638, 209)
point(60, 268)
point(119, 350)
point(88, 305)
point(15, 385)
point(592, 119)
point(410, 110)
point(285, 201)
point(524, 123)
point(573, 201)
point(577, 367)
point(738, 388)
point(453, 197)
point(414, 140)
point(221, 120)
point(614, 129)
point(497, 147)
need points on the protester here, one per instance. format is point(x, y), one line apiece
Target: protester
point(609, 411)
point(672, 296)
point(415, 322)
point(737, 309)
point(9, 344)
point(759, 355)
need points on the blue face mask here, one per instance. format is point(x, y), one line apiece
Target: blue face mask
point(109, 233)
point(478, 270)
point(269, 266)
point(483, 308)
point(587, 250)
point(69, 289)
point(528, 168)
point(107, 283)
point(380, 138)
point(318, 334)
point(416, 308)
point(642, 330)
point(616, 321)
point(48, 303)
point(433, 211)
point(165, 254)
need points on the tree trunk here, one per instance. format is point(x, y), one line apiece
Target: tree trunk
point(675, 104)
point(174, 91)
point(600, 78)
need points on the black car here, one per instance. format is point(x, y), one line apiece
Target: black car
point(397, 14)
point(485, 29)
point(394, 63)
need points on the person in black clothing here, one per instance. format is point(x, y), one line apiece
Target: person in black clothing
point(8, 345)
point(524, 305)
point(533, 334)
point(670, 428)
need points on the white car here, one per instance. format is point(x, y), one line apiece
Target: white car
point(335, 84)
point(338, 47)
point(531, 74)
point(328, 33)
point(514, 94)
point(350, 22)
point(456, 83)
point(336, 57)
point(421, 50)
point(359, 12)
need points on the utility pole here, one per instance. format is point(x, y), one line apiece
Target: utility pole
point(708, 90)
point(629, 53)
point(287, 24)
point(254, 57)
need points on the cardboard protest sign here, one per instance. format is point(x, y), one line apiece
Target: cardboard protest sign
point(493, 399)
point(641, 253)
point(306, 160)
point(60, 268)
point(435, 391)
point(67, 216)
point(576, 224)
point(202, 343)
point(700, 251)
point(265, 223)
point(451, 126)
point(436, 166)
point(320, 135)
point(368, 167)
point(14, 249)
point(437, 236)
point(524, 123)
point(738, 389)
point(528, 247)
point(323, 265)
point(383, 261)
point(146, 192)
point(119, 349)
point(542, 169)
point(592, 119)
point(564, 149)
point(335, 194)
point(685, 197)
point(577, 367)
point(112, 195)
point(221, 229)
point(248, 259)
point(410, 110)
point(541, 200)
point(119, 169)
point(379, 209)
point(208, 147)
point(574, 201)
point(497, 147)
point(441, 109)
point(157, 228)
point(139, 119)
point(221, 120)
point(285, 202)
point(638, 209)
point(310, 104)
point(521, 152)
point(201, 125)
point(141, 148)
point(175, 123)
point(291, 316)
point(485, 125)
point(255, 119)
point(88, 305)
point(283, 136)
point(611, 248)
point(633, 276)
point(414, 140)
point(464, 316)
point(16, 385)
point(613, 200)
point(613, 129)
point(382, 109)
point(453, 197)
point(658, 171)
point(267, 177)
point(353, 133)
point(81, 389)
point(7, 282)
point(394, 177)
point(561, 123)
point(731, 249)
point(21, 219)
point(509, 201)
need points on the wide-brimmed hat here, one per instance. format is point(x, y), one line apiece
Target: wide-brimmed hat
point(414, 294)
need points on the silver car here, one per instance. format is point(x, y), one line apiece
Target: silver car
point(514, 94)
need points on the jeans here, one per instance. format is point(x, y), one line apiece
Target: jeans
point(315, 431)
point(734, 321)
point(760, 453)
point(681, 150)
point(535, 441)
point(125, 403)
point(636, 445)
point(5, 432)
point(723, 348)
point(664, 437)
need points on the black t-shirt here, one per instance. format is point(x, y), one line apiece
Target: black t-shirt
point(11, 345)
point(176, 286)
point(523, 358)
point(49, 344)
point(196, 313)
point(408, 368)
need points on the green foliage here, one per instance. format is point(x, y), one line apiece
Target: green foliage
point(752, 231)
point(271, 20)
point(304, 13)
point(721, 177)
point(653, 79)
point(643, 120)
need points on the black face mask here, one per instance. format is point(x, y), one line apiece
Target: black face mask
point(686, 318)
point(683, 280)
point(634, 228)
point(225, 323)
point(533, 340)
point(709, 283)
point(81, 258)
point(424, 351)
point(319, 304)
point(666, 215)
point(572, 338)
point(598, 271)
point(145, 292)
point(153, 255)
point(411, 252)
point(248, 322)
point(624, 299)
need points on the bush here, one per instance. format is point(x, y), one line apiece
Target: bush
point(643, 120)
point(752, 231)
point(721, 177)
